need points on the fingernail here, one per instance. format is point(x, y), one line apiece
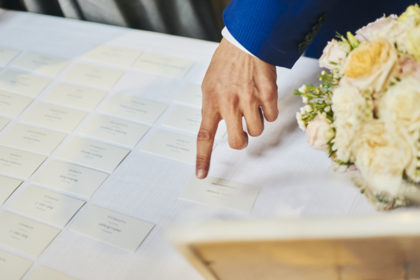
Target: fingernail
point(201, 174)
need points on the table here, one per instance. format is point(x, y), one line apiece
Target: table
point(295, 180)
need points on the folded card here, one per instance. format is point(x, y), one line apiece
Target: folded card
point(7, 187)
point(41, 63)
point(75, 96)
point(11, 104)
point(93, 154)
point(70, 178)
point(163, 65)
point(116, 55)
point(117, 229)
point(19, 163)
point(54, 116)
point(13, 267)
point(46, 273)
point(6, 55)
point(25, 235)
point(3, 123)
point(171, 145)
point(134, 108)
point(222, 193)
point(114, 130)
point(45, 205)
point(32, 138)
point(190, 95)
point(91, 75)
point(23, 83)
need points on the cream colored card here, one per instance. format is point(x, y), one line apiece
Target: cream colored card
point(171, 145)
point(163, 64)
point(70, 178)
point(7, 187)
point(23, 83)
point(116, 55)
point(75, 96)
point(93, 154)
point(221, 193)
point(12, 104)
point(6, 55)
point(45, 205)
point(32, 138)
point(3, 123)
point(191, 95)
point(25, 235)
point(91, 75)
point(41, 63)
point(19, 163)
point(184, 118)
point(117, 229)
point(13, 267)
point(134, 108)
point(46, 273)
point(114, 130)
point(54, 116)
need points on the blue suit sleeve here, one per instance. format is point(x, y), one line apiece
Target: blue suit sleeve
point(276, 31)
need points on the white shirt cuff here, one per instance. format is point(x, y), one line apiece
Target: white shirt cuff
point(226, 34)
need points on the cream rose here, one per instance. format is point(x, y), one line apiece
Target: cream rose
point(334, 55)
point(350, 109)
point(382, 154)
point(412, 42)
point(412, 12)
point(401, 103)
point(319, 132)
point(370, 65)
point(386, 28)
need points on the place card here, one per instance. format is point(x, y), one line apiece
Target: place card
point(11, 104)
point(54, 116)
point(32, 138)
point(7, 55)
point(13, 267)
point(95, 76)
point(70, 178)
point(7, 187)
point(18, 163)
point(23, 83)
point(45, 205)
point(116, 55)
point(75, 96)
point(163, 65)
point(134, 108)
point(190, 95)
point(184, 118)
point(114, 130)
point(171, 145)
point(25, 235)
point(221, 193)
point(93, 154)
point(114, 228)
point(46, 273)
point(41, 63)
point(3, 123)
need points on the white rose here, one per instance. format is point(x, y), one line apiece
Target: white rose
point(334, 55)
point(382, 154)
point(388, 28)
point(319, 132)
point(401, 104)
point(370, 65)
point(350, 109)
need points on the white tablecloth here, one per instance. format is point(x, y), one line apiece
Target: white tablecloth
point(295, 180)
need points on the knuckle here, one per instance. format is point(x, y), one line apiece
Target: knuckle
point(204, 135)
point(238, 143)
point(255, 131)
point(202, 161)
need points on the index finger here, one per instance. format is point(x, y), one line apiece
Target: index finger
point(205, 140)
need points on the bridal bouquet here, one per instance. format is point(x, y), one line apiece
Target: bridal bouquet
point(365, 112)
